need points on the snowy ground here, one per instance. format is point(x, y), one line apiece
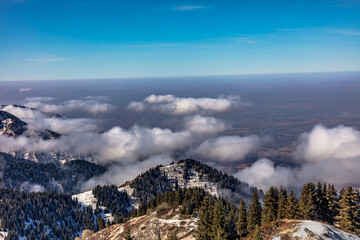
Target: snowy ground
point(175, 172)
point(3, 235)
point(315, 230)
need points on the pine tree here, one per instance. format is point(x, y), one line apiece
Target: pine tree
point(203, 231)
point(321, 202)
point(219, 225)
point(128, 235)
point(349, 212)
point(307, 202)
point(101, 223)
point(282, 203)
point(254, 217)
point(231, 220)
point(333, 204)
point(292, 208)
point(270, 209)
point(257, 235)
point(242, 220)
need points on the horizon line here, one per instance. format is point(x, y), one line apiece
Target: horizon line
point(181, 76)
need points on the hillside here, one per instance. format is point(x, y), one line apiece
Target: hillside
point(25, 175)
point(303, 229)
point(183, 174)
point(163, 222)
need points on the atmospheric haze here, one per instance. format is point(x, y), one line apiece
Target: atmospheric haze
point(285, 133)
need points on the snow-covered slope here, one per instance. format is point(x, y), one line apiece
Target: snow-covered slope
point(309, 230)
point(164, 222)
point(184, 174)
point(3, 235)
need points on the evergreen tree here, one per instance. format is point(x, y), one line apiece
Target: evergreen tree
point(219, 224)
point(282, 203)
point(270, 209)
point(333, 204)
point(349, 212)
point(254, 217)
point(242, 220)
point(203, 231)
point(292, 207)
point(308, 202)
point(128, 235)
point(321, 202)
point(257, 235)
point(101, 223)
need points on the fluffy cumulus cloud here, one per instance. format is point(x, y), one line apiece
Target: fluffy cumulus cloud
point(263, 174)
point(205, 125)
point(227, 148)
point(328, 155)
point(171, 105)
point(324, 144)
point(93, 105)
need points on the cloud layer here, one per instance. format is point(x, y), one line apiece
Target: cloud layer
point(93, 105)
point(329, 155)
point(227, 148)
point(171, 105)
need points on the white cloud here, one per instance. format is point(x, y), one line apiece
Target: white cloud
point(263, 174)
point(205, 125)
point(329, 155)
point(25, 89)
point(39, 99)
point(227, 148)
point(38, 121)
point(168, 98)
point(169, 104)
point(85, 105)
point(189, 7)
point(324, 143)
point(118, 174)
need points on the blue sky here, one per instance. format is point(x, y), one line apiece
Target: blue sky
point(153, 38)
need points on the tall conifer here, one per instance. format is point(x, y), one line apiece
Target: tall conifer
point(254, 216)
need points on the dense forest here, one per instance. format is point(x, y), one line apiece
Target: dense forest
point(317, 202)
point(43, 215)
point(20, 174)
point(238, 189)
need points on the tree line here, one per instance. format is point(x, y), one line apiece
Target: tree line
point(319, 202)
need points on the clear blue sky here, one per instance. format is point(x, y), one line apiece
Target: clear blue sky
point(69, 39)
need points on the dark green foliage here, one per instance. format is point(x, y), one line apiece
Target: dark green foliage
point(307, 202)
point(254, 215)
point(219, 224)
point(321, 202)
point(333, 204)
point(271, 202)
point(128, 235)
point(292, 208)
point(282, 203)
point(257, 235)
point(101, 223)
point(242, 220)
point(150, 184)
point(27, 214)
point(21, 174)
point(239, 190)
point(349, 210)
point(204, 231)
point(114, 200)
